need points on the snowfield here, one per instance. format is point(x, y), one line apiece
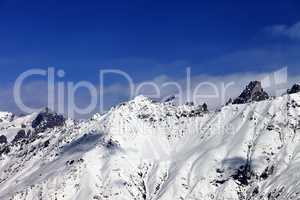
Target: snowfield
point(146, 150)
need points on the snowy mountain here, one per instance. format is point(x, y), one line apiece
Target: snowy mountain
point(150, 150)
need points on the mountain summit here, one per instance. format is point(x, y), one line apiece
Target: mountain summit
point(252, 92)
point(295, 88)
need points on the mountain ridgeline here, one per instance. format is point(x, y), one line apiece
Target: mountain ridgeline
point(147, 150)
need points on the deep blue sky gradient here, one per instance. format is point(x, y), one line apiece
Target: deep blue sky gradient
point(81, 37)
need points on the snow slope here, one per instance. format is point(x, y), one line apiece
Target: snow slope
point(146, 150)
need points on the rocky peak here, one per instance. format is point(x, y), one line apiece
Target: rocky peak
point(252, 92)
point(205, 107)
point(20, 136)
point(3, 139)
point(170, 98)
point(47, 119)
point(295, 89)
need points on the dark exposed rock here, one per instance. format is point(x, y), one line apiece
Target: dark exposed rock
point(47, 119)
point(270, 127)
point(12, 117)
point(29, 132)
point(143, 116)
point(20, 135)
point(255, 191)
point(71, 162)
point(220, 182)
point(229, 101)
point(4, 150)
point(295, 89)
point(204, 107)
point(242, 175)
point(189, 103)
point(170, 98)
point(46, 144)
point(3, 139)
point(267, 172)
point(252, 92)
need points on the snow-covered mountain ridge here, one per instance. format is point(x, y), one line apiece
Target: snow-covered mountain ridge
point(146, 150)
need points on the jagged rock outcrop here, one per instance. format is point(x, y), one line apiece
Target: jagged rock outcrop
point(20, 136)
point(252, 92)
point(170, 98)
point(229, 101)
point(295, 89)
point(205, 107)
point(47, 119)
point(3, 139)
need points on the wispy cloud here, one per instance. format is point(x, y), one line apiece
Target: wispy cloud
point(214, 94)
point(35, 93)
point(282, 30)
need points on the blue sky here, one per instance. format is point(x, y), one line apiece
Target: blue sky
point(82, 37)
point(215, 38)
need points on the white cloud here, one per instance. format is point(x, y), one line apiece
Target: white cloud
point(281, 30)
